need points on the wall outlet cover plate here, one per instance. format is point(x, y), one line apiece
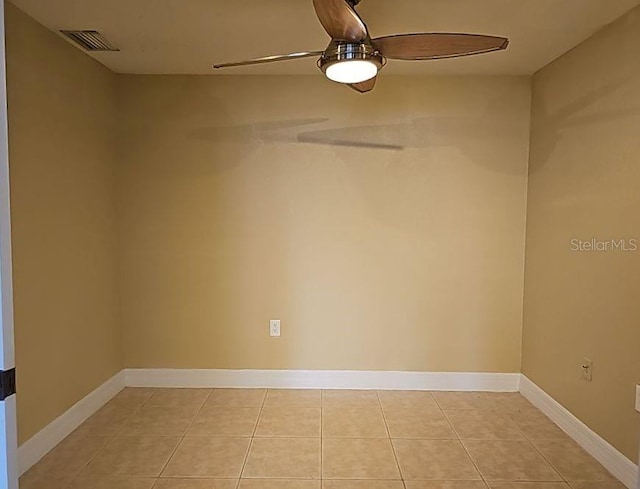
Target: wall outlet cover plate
point(274, 327)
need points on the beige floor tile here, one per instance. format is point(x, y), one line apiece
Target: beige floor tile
point(133, 456)
point(345, 458)
point(196, 484)
point(536, 426)
point(112, 483)
point(509, 461)
point(353, 423)
point(155, 420)
point(434, 460)
point(36, 480)
point(573, 463)
point(109, 419)
point(243, 398)
point(278, 484)
point(509, 401)
point(353, 484)
point(74, 452)
point(446, 485)
point(133, 396)
point(179, 397)
point(350, 399)
point(471, 424)
point(612, 484)
point(59, 467)
point(283, 458)
point(407, 400)
point(224, 421)
point(464, 400)
point(418, 423)
point(293, 398)
point(289, 422)
point(202, 456)
point(528, 485)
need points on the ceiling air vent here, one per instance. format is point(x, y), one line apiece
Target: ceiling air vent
point(90, 40)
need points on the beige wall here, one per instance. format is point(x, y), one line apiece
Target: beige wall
point(584, 183)
point(405, 257)
point(61, 115)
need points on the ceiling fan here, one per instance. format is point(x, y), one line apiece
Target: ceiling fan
point(354, 58)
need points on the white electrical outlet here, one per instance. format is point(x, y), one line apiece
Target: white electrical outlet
point(587, 369)
point(274, 327)
point(638, 398)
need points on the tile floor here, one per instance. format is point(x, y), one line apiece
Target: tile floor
point(283, 439)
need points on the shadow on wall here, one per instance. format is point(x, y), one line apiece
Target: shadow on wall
point(469, 135)
point(550, 128)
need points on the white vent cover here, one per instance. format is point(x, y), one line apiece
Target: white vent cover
point(90, 40)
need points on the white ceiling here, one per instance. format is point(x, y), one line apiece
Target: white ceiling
point(187, 36)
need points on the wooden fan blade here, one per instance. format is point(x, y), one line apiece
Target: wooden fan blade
point(340, 21)
point(271, 59)
point(436, 46)
point(365, 86)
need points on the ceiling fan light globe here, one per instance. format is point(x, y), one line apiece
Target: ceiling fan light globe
point(352, 71)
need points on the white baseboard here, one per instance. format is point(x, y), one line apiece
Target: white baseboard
point(42, 442)
point(614, 461)
point(323, 379)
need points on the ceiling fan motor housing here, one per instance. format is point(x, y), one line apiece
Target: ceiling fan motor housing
point(345, 51)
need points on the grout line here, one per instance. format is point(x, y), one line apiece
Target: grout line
point(253, 435)
point(321, 438)
point(436, 401)
point(514, 423)
point(459, 440)
point(110, 437)
point(393, 449)
point(322, 391)
point(553, 467)
point(184, 435)
point(135, 411)
point(530, 440)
